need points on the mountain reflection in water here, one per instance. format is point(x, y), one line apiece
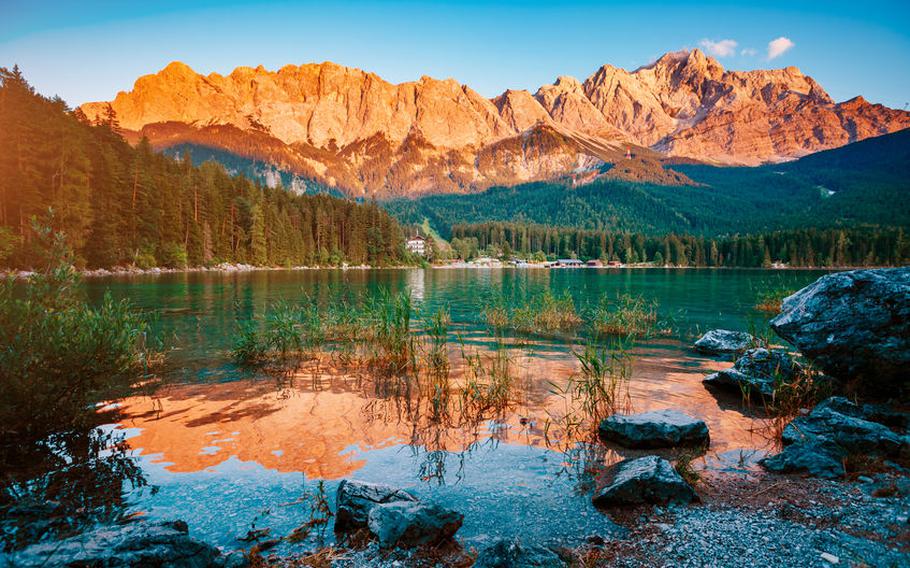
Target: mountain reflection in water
point(311, 420)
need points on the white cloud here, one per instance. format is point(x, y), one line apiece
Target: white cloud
point(779, 46)
point(722, 48)
point(749, 52)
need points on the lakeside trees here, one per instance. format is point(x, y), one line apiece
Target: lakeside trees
point(860, 246)
point(121, 205)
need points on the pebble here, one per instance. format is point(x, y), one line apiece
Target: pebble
point(830, 558)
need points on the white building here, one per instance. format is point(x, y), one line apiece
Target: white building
point(417, 245)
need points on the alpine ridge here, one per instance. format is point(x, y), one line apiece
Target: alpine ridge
point(351, 130)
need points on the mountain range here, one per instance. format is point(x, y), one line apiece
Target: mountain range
point(351, 131)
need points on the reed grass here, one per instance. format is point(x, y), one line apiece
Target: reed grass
point(772, 299)
point(627, 315)
point(543, 313)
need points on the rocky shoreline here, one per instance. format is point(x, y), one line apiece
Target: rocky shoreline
point(225, 268)
point(836, 493)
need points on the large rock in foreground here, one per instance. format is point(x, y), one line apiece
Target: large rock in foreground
point(407, 524)
point(650, 479)
point(757, 371)
point(656, 429)
point(131, 544)
point(818, 443)
point(724, 342)
point(853, 325)
point(515, 554)
point(355, 500)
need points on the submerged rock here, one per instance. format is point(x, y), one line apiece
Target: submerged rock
point(649, 479)
point(723, 341)
point(818, 442)
point(514, 554)
point(853, 325)
point(132, 544)
point(757, 371)
point(655, 429)
point(355, 500)
point(407, 524)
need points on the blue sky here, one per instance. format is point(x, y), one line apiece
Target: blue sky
point(90, 50)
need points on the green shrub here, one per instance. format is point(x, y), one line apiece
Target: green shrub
point(59, 357)
point(145, 260)
point(60, 354)
point(173, 255)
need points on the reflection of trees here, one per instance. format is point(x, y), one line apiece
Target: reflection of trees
point(71, 480)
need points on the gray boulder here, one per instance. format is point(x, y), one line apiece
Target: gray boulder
point(407, 524)
point(355, 499)
point(818, 459)
point(758, 371)
point(723, 342)
point(655, 429)
point(133, 544)
point(855, 435)
point(649, 479)
point(514, 554)
point(872, 412)
point(818, 442)
point(853, 325)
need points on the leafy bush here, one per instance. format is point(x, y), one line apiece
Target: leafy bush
point(173, 255)
point(59, 357)
point(60, 354)
point(145, 260)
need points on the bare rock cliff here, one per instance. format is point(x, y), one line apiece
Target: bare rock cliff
point(351, 129)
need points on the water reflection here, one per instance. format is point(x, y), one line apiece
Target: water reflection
point(220, 438)
point(318, 419)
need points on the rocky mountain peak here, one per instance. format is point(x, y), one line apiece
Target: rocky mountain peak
point(352, 129)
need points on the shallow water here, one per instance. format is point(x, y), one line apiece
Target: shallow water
point(228, 448)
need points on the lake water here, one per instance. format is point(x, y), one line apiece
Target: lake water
point(229, 448)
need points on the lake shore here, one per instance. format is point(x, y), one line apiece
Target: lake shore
point(245, 268)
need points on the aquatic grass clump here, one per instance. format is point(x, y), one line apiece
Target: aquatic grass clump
point(602, 385)
point(626, 315)
point(540, 314)
point(547, 313)
point(771, 299)
point(489, 378)
point(287, 333)
point(388, 325)
point(437, 330)
point(599, 390)
point(496, 317)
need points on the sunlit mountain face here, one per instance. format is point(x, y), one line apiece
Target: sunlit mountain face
point(351, 131)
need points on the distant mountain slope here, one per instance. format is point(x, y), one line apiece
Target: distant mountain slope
point(351, 130)
point(863, 183)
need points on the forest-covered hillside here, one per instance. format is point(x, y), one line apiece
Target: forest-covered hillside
point(122, 205)
point(866, 183)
